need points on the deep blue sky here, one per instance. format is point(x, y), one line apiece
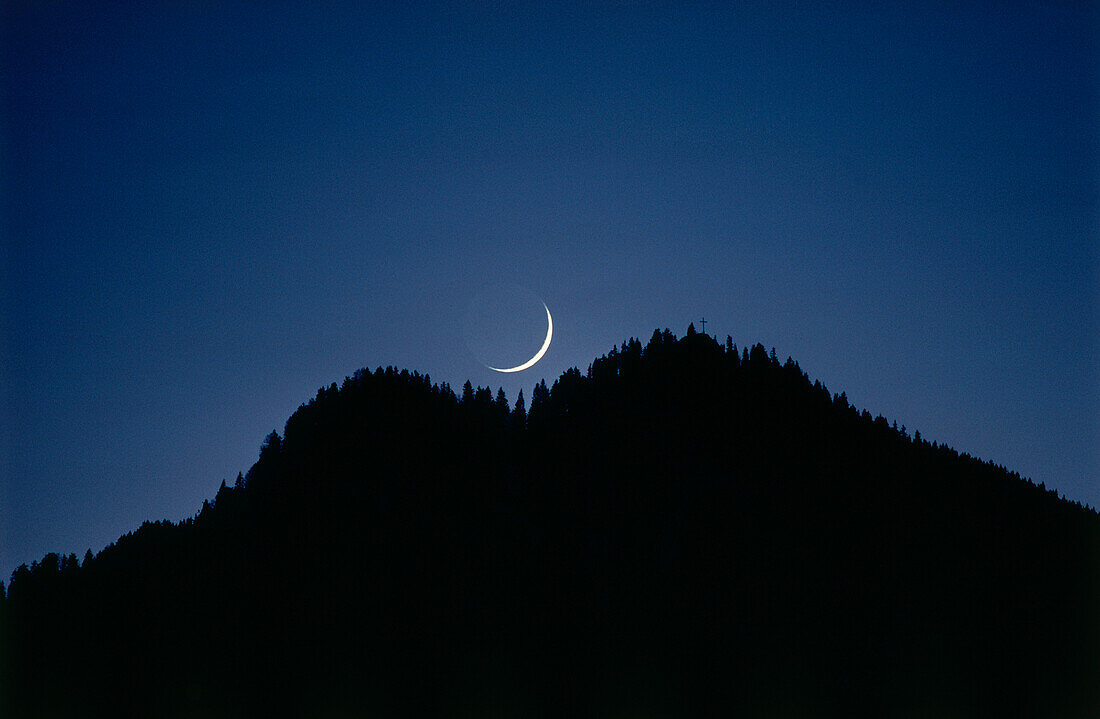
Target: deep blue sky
point(212, 209)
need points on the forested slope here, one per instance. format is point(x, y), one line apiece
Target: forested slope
point(683, 530)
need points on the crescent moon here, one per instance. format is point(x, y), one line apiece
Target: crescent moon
point(542, 350)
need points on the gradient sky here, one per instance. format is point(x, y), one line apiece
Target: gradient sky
point(211, 209)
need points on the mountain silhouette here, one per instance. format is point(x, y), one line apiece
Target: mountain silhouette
point(687, 529)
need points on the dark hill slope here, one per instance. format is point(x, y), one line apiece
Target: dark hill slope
point(684, 531)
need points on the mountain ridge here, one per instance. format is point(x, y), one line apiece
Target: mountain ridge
point(690, 522)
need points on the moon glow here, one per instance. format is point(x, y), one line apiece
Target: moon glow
point(542, 350)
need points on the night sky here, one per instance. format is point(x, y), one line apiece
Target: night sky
point(212, 209)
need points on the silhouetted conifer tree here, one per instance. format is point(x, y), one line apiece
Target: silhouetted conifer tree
point(654, 342)
point(50, 565)
point(222, 493)
point(272, 444)
point(540, 396)
point(500, 408)
point(519, 412)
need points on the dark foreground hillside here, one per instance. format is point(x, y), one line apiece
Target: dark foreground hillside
point(686, 530)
